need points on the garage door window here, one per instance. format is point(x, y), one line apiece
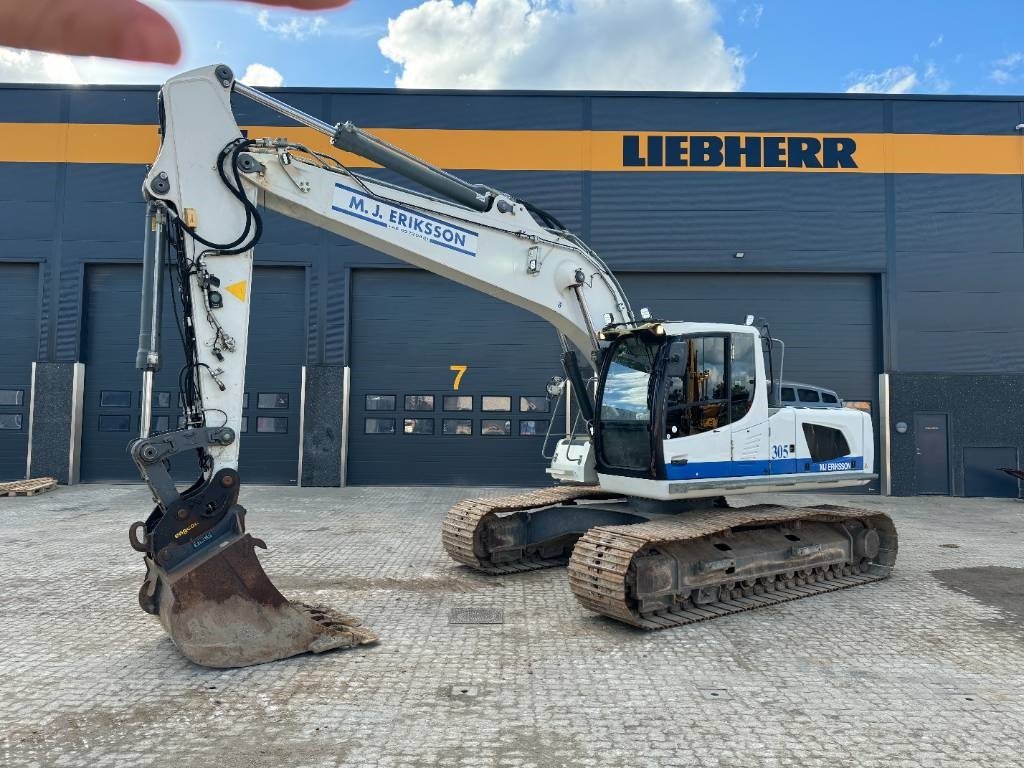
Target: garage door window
point(532, 427)
point(458, 403)
point(419, 402)
point(272, 424)
point(10, 421)
point(457, 427)
point(380, 402)
point(12, 396)
point(496, 403)
point(115, 422)
point(495, 427)
point(418, 427)
point(379, 426)
point(269, 400)
point(115, 399)
point(530, 404)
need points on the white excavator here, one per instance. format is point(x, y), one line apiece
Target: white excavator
point(673, 416)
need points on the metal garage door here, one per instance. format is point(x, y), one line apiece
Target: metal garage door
point(18, 334)
point(410, 327)
point(270, 439)
point(408, 424)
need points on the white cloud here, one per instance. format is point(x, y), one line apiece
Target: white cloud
point(751, 14)
point(262, 76)
point(18, 65)
point(562, 44)
point(292, 26)
point(936, 42)
point(892, 80)
point(934, 80)
point(1008, 68)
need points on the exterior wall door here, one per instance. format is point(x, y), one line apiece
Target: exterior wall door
point(931, 440)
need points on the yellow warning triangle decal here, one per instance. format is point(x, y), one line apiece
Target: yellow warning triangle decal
point(237, 289)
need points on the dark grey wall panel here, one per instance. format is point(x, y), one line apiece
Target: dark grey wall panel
point(106, 105)
point(51, 422)
point(755, 259)
point(461, 110)
point(724, 231)
point(918, 230)
point(614, 192)
point(335, 292)
point(961, 351)
point(693, 113)
point(21, 220)
point(321, 445)
point(25, 250)
point(101, 182)
point(960, 193)
point(31, 104)
point(946, 272)
point(28, 182)
point(104, 221)
point(992, 310)
point(984, 411)
point(954, 116)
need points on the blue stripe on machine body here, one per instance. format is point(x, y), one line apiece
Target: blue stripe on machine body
point(703, 470)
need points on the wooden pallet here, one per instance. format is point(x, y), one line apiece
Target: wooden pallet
point(28, 487)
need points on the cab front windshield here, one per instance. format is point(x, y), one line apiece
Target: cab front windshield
point(626, 398)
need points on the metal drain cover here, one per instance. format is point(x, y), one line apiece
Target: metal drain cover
point(476, 616)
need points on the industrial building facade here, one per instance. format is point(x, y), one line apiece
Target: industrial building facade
point(881, 237)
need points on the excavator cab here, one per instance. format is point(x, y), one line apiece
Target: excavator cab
point(685, 409)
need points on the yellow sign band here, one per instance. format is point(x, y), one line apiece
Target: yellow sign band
point(573, 151)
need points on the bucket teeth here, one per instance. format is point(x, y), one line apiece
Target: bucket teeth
point(227, 613)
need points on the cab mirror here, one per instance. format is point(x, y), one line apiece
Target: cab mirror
point(678, 353)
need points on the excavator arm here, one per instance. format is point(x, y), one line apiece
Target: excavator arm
point(204, 193)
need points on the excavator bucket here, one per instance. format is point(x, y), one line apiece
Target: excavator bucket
point(225, 612)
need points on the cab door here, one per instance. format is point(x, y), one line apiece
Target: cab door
point(697, 436)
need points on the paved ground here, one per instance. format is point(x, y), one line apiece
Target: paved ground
point(915, 671)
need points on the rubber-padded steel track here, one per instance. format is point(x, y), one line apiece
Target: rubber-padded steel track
point(601, 577)
point(461, 532)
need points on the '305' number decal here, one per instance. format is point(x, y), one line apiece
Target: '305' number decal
point(780, 451)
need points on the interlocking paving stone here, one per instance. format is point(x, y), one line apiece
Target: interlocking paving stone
point(904, 672)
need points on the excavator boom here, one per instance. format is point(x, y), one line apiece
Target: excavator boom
point(204, 191)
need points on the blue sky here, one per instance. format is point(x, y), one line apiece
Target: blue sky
point(904, 46)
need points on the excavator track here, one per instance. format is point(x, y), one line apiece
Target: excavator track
point(603, 570)
point(465, 525)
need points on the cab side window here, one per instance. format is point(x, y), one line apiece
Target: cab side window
point(742, 374)
point(698, 400)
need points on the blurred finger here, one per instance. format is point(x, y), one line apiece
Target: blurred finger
point(307, 5)
point(121, 29)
